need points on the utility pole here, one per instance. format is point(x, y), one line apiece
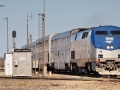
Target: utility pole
point(27, 28)
point(41, 46)
point(41, 39)
point(44, 67)
point(7, 34)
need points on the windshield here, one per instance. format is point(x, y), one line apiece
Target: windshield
point(115, 33)
point(73, 37)
point(101, 33)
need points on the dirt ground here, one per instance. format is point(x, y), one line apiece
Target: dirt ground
point(44, 84)
point(40, 84)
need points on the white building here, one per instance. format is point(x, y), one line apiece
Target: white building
point(8, 64)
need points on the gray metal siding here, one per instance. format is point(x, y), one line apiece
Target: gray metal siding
point(22, 64)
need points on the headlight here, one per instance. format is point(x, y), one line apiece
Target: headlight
point(100, 51)
point(119, 51)
point(111, 47)
point(108, 47)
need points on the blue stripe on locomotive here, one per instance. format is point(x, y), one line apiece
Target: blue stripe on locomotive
point(100, 41)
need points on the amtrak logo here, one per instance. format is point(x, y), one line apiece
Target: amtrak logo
point(109, 39)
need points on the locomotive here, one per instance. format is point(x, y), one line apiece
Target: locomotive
point(97, 50)
point(82, 50)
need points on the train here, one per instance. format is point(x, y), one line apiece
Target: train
point(81, 50)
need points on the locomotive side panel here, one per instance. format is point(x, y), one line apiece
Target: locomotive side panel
point(82, 52)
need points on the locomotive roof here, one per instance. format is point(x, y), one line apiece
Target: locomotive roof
point(106, 27)
point(78, 30)
point(68, 33)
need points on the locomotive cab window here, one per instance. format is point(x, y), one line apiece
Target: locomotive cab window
point(76, 37)
point(73, 37)
point(115, 33)
point(85, 34)
point(79, 36)
point(101, 33)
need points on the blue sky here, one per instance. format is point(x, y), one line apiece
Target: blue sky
point(61, 15)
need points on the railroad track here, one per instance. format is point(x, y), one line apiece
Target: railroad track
point(73, 79)
point(80, 77)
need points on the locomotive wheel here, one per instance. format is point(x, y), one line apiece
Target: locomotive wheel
point(96, 73)
point(67, 68)
point(85, 70)
point(80, 70)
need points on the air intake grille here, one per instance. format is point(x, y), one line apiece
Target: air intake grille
point(118, 56)
point(100, 56)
